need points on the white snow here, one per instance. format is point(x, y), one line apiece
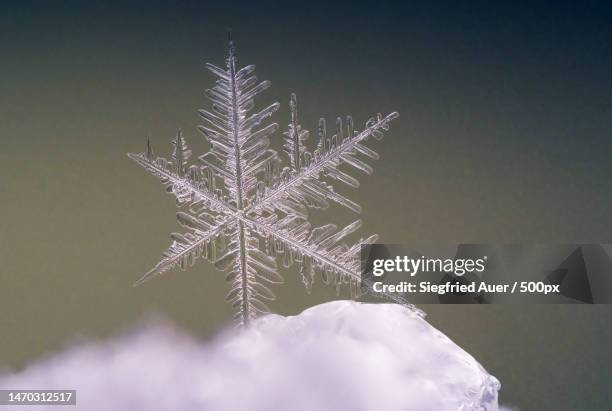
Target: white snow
point(341, 355)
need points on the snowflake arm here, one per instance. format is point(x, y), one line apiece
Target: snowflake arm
point(320, 252)
point(238, 153)
point(195, 187)
point(186, 249)
point(303, 184)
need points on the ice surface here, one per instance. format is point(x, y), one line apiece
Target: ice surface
point(341, 355)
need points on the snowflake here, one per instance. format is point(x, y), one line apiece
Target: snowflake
point(243, 212)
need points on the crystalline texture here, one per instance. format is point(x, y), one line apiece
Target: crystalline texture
point(244, 213)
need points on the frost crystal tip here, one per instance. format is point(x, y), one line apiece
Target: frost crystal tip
point(245, 212)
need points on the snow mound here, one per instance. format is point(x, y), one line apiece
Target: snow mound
point(341, 355)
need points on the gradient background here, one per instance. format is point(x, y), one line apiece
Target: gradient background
point(504, 136)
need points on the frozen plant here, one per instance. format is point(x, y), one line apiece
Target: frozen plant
point(245, 211)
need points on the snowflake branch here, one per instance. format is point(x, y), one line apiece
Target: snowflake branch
point(303, 248)
point(309, 251)
point(168, 176)
point(347, 146)
point(178, 251)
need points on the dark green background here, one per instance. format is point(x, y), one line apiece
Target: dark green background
point(504, 137)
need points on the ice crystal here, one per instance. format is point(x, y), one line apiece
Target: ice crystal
point(245, 212)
